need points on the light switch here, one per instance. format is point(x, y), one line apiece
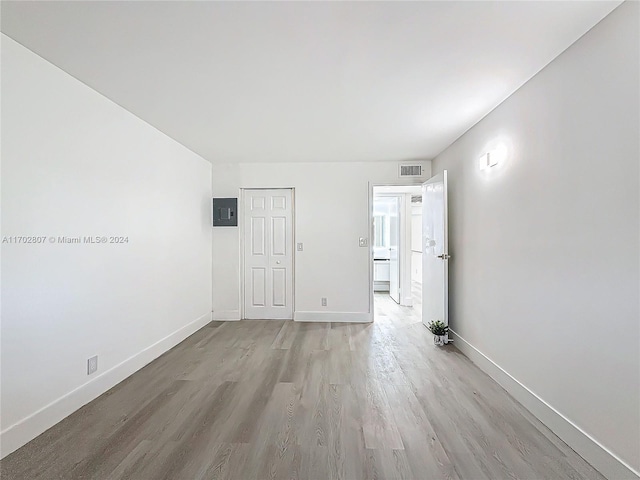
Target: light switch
point(364, 242)
point(300, 247)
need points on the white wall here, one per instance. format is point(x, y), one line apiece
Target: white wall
point(74, 163)
point(331, 213)
point(544, 275)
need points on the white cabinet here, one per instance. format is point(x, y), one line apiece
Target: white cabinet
point(381, 275)
point(381, 270)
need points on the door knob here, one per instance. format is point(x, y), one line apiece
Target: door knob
point(278, 262)
point(444, 256)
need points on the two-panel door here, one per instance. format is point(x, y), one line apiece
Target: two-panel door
point(268, 254)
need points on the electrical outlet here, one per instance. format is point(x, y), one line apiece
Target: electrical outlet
point(92, 365)
point(324, 301)
point(363, 242)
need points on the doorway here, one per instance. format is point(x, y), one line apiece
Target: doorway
point(396, 247)
point(267, 254)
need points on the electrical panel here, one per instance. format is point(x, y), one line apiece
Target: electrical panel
point(225, 212)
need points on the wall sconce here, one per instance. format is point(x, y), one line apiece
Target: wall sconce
point(493, 157)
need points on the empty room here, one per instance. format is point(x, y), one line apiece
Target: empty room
point(320, 240)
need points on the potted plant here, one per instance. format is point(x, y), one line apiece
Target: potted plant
point(440, 332)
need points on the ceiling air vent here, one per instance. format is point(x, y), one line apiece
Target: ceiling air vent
point(410, 170)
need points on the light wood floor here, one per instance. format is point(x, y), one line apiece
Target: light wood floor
point(287, 400)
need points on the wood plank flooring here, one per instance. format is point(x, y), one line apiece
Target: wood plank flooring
point(287, 400)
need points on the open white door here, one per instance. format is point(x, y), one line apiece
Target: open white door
point(394, 241)
point(435, 253)
point(268, 254)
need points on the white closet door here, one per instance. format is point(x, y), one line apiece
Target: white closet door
point(268, 254)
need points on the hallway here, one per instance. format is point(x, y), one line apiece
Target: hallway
point(385, 308)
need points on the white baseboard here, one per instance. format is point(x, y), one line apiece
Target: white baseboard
point(30, 427)
point(603, 460)
point(346, 317)
point(227, 315)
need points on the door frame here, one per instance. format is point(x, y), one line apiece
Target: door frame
point(241, 233)
point(405, 229)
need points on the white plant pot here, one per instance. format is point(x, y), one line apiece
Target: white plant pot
point(439, 339)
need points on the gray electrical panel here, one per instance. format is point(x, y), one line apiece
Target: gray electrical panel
point(225, 212)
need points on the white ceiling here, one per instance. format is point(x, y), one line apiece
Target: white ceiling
point(304, 81)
